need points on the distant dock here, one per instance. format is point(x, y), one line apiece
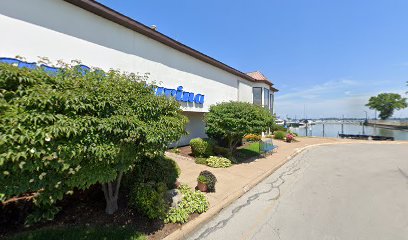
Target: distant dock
point(366, 137)
point(391, 124)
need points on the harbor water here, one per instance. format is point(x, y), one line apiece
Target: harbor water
point(333, 129)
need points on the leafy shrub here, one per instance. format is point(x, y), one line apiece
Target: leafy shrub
point(269, 136)
point(177, 215)
point(73, 130)
point(156, 169)
point(280, 135)
point(149, 198)
point(221, 151)
point(211, 180)
point(231, 121)
point(293, 133)
point(276, 127)
point(218, 162)
point(200, 160)
point(290, 137)
point(192, 202)
point(201, 147)
point(252, 137)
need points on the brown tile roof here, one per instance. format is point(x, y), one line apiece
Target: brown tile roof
point(258, 76)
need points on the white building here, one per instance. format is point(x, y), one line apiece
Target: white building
point(100, 37)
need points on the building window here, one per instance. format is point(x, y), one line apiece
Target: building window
point(271, 102)
point(257, 95)
point(266, 98)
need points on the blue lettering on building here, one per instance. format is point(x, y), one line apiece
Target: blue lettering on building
point(178, 93)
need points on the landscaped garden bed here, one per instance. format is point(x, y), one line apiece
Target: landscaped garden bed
point(82, 217)
point(83, 155)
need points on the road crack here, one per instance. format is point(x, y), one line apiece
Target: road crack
point(291, 169)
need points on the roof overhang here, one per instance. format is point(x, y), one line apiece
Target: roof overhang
point(116, 17)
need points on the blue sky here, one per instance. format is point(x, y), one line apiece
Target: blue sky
point(327, 57)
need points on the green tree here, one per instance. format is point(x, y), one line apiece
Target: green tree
point(386, 103)
point(231, 121)
point(74, 130)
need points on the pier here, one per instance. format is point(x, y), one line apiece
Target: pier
point(391, 124)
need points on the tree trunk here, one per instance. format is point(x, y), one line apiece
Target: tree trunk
point(111, 206)
point(111, 192)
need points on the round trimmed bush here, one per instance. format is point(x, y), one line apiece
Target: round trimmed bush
point(149, 198)
point(157, 169)
point(280, 135)
point(201, 147)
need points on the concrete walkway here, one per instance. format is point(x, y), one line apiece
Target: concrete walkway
point(233, 182)
point(353, 191)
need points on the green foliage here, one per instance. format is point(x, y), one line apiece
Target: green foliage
point(276, 127)
point(221, 151)
point(201, 147)
point(156, 169)
point(192, 202)
point(81, 233)
point(202, 179)
point(211, 180)
point(280, 135)
point(71, 131)
point(149, 198)
point(253, 137)
point(386, 103)
point(218, 162)
point(231, 121)
point(177, 215)
point(202, 161)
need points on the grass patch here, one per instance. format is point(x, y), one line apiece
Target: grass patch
point(249, 151)
point(81, 233)
point(200, 160)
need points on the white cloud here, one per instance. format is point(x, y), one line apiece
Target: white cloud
point(317, 91)
point(333, 99)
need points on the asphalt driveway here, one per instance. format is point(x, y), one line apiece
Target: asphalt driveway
point(348, 191)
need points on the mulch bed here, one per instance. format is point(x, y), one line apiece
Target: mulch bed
point(185, 151)
point(85, 208)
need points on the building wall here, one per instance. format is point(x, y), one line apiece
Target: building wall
point(60, 31)
point(195, 128)
point(244, 92)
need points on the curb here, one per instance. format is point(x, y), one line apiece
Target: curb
point(203, 218)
